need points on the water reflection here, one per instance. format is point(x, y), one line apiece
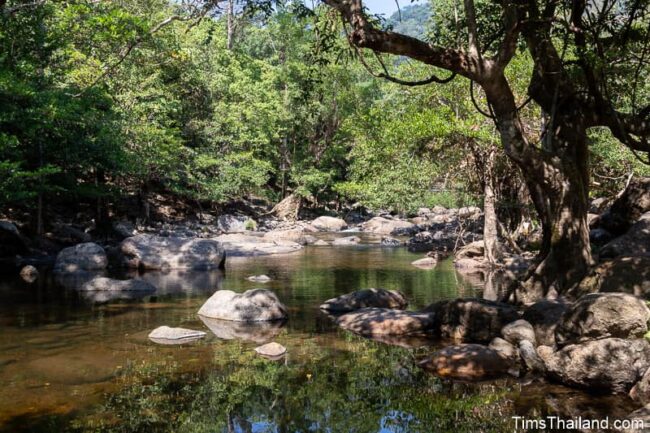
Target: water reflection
point(258, 332)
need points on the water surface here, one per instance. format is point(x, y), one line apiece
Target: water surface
point(82, 362)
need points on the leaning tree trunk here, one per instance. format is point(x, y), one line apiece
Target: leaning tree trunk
point(559, 186)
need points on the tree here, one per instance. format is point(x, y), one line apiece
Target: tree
point(589, 60)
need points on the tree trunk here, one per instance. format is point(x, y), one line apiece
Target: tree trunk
point(491, 224)
point(560, 195)
point(230, 24)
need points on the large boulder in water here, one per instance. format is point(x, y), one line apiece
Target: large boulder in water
point(384, 226)
point(628, 208)
point(467, 362)
point(603, 315)
point(157, 252)
point(81, 257)
point(256, 305)
point(635, 242)
point(472, 320)
point(329, 224)
point(623, 274)
point(610, 364)
point(384, 321)
point(378, 298)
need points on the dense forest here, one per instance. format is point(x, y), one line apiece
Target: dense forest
point(101, 101)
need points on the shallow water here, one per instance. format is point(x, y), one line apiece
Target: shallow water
point(83, 363)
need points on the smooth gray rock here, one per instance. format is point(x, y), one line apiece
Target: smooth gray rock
point(243, 245)
point(156, 252)
point(329, 224)
point(379, 298)
point(167, 335)
point(259, 278)
point(603, 315)
point(529, 356)
point(609, 364)
point(384, 226)
point(256, 305)
point(506, 349)
point(81, 257)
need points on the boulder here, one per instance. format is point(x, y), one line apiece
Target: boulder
point(641, 390)
point(379, 298)
point(469, 265)
point(81, 257)
point(623, 274)
point(348, 240)
point(241, 245)
point(603, 315)
point(471, 250)
point(156, 252)
point(544, 316)
point(258, 332)
point(635, 242)
point(518, 331)
point(384, 226)
point(329, 224)
point(321, 243)
point(383, 321)
point(255, 305)
point(529, 356)
point(504, 348)
point(610, 364)
point(471, 319)
point(29, 273)
point(233, 223)
point(124, 229)
point(259, 278)
point(467, 362)
point(271, 350)
point(109, 284)
point(167, 335)
point(599, 236)
point(11, 242)
point(296, 235)
point(425, 263)
point(628, 208)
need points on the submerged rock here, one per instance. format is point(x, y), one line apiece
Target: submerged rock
point(271, 350)
point(610, 364)
point(251, 306)
point(258, 332)
point(348, 240)
point(109, 284)
point(470, 319)
point(167, 335)
point(259, 278)
point(425, 263)
point(379, 298)
point(156, 252)
point(603, 315)
point(81, 257)
point(369, 321)
point(467, 362)
point(329, 224)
